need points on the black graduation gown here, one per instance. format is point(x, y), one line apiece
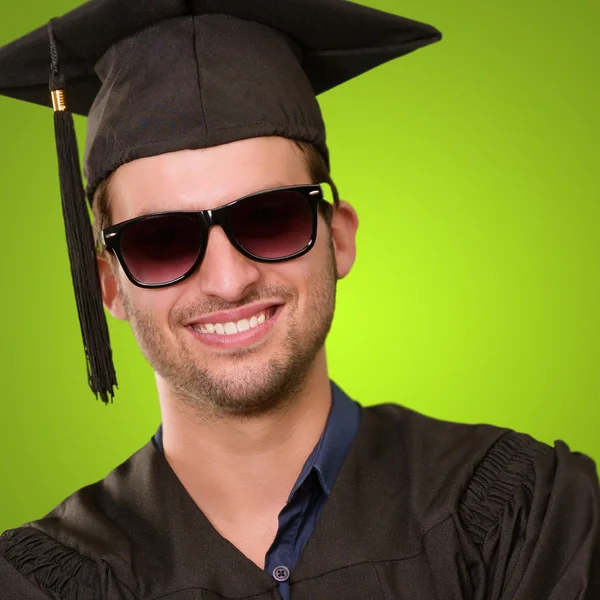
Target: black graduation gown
point(422, 509)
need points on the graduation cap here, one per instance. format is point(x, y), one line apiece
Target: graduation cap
point(157, 76)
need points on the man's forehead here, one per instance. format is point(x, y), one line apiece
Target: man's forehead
point(204, 179)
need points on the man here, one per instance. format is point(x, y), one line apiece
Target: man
point(204, 160)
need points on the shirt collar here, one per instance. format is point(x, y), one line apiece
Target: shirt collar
point(328, 456)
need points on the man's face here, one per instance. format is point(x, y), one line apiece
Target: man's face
point(296, 299)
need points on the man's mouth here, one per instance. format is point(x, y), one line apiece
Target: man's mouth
point(231, 328)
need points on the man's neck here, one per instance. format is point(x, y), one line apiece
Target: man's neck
point(246, 466)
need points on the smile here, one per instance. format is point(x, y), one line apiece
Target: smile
point(231, 328)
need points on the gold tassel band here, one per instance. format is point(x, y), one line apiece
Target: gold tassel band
point(58, 101)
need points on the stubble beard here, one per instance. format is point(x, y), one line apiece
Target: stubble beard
point(248, 389)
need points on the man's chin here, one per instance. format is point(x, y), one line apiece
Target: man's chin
point(243, 387)
point(246, 401)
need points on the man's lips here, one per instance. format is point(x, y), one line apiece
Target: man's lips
point(233, 316)
point(240, 339)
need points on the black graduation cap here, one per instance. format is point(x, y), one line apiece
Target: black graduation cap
point(157, 76)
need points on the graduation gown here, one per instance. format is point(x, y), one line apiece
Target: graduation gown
point(422, 509)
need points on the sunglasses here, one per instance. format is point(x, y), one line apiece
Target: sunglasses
point(271, 226)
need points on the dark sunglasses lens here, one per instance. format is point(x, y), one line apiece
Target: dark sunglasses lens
point(272, 225)
point(161, 249)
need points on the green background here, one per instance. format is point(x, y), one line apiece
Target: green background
point(475, 297)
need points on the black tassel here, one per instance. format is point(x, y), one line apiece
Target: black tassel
point(80, 242)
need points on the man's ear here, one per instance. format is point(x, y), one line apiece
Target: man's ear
point(110, 288)
point(344, 224)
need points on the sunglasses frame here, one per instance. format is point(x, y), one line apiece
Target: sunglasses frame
point(110, 238)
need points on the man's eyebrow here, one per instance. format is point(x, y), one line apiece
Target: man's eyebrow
point(161, 209)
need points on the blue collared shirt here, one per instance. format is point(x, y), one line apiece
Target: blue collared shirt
point(299, 516)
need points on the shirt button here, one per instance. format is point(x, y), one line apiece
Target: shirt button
point(281, 573)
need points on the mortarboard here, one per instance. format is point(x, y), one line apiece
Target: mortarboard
point(157, 76)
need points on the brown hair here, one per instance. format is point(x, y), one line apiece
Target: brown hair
point(317, 167)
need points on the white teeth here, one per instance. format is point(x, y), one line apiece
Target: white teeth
point(230, 328)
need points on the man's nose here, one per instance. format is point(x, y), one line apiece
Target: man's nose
point(225, 273)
